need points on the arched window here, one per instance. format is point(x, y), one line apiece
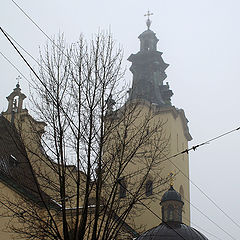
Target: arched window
point(149, 188)
point(122, 188)
point(170, 213)
point(15, 103)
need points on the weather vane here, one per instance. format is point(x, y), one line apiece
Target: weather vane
point(148, 22)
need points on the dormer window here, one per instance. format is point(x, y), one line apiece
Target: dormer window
point(12, 161)
point(7, 163)
point(4, 164)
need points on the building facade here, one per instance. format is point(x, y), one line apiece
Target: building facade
point(158, 132)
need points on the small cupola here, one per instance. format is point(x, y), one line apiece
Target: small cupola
point(172, 204)
point(172, 227)
point(148, 39)
point(15, 100)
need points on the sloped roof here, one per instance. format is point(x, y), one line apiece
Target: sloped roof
point(15, 169)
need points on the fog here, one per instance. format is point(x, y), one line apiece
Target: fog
point(201, 42)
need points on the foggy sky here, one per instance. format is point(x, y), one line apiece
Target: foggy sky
point(201, 42)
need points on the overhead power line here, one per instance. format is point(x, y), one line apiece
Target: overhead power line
point(126, 189)
point(9, 38)
point(186, 151)
point(205, 215)
point(201, 212)
point(41, 30)
point(204, 230)
point(194, 148)
point(142, 203)
point(210, 199)
point(14, 66)
point(36, 25)
point(6, 35)
point(183, 152)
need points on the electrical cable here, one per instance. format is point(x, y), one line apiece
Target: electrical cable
point(10, 37)
point(212, 201)
point(159, 185)
point(210, 219)
point(194, 148)
point(40, 29)
point(14, 67)
point(141, 202)
point(185, 151)
point(204, 230)
point(33, 21)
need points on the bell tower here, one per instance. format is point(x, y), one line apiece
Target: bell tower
point(19, 116)
point(15, 102)
point(148, 69)
point(153, 94)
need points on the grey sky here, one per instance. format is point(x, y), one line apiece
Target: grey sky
point(201, 42)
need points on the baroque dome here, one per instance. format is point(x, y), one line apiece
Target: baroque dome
point(172, 227)
point(172, 232)
point(171, 194)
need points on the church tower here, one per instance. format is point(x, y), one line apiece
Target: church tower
point(15, 102)
point(149, 88)
point(29, 128)
point(148, 70)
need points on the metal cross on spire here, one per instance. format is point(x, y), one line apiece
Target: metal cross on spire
point(148, 22)
point(18, 79)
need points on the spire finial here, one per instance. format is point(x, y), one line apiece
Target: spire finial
point(18, 79)
point(171, 177)
point(148, 22)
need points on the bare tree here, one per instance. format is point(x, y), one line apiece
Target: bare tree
point(85, 162)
